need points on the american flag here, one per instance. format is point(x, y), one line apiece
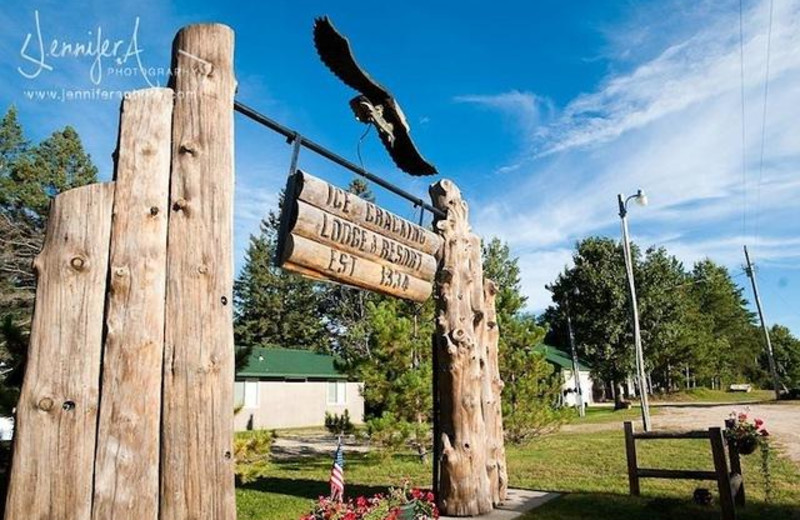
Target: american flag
point(337, 474)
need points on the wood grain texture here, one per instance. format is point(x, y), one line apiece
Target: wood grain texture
point(197, 424)
point(333, 264)
point(462, 487)
point(339, 233)
point(492, 388)
point(127, 460)
point(341, 203)
point(54, 446)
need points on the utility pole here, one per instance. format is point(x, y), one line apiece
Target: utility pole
point(575, 368)
point(637, 337)
point(752, 275)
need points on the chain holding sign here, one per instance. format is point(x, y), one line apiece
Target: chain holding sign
point(330, 234)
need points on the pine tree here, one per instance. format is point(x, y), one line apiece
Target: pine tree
point(30, 176)
point(274, 307)
point(531, 390)
point(346, 308)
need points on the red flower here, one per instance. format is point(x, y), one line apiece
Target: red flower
point(429, 497)
point(764, 433)
point(759, 422)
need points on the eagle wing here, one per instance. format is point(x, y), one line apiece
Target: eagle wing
point(403, 151)
point(334, 50)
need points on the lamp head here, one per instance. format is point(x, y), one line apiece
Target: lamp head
point(641, 197)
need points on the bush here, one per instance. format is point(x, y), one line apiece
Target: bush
point(251, 451)
point(339, 424)
point(388, 432)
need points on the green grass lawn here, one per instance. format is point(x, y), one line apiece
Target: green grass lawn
point(589, 467)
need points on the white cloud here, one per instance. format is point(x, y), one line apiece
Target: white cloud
point(671, 125)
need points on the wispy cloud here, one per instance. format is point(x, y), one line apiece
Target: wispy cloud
point(671, 124)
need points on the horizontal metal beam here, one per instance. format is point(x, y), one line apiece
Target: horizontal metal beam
point(292, 136)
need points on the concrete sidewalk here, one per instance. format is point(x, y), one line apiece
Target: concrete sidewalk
point(519, 502)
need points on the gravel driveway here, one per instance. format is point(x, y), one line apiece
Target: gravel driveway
point(781, 420)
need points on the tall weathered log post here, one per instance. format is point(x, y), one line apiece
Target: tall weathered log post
point(491, 391)
point(197, 420)
point(469, 466)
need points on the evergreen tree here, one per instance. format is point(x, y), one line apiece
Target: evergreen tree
point(345, 308)
point(531, 390)
point(274, 307)
point(30, 176)
point(397, 376)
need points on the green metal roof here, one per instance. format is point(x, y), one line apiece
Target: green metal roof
point(558, 357)
point(284, 363)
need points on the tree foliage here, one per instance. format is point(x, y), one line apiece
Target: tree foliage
point(274, 307)
point(30, 176)
point(599, 311)
point(695, 324)
point(531, 391)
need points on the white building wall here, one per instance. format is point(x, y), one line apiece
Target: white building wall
point(571, 398)
point(294, 404)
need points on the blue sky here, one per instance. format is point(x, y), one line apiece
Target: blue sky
point(540, 111)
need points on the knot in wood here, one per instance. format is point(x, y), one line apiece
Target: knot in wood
point(45, 404)
point(121, 271)
point(188, 148)
point(78, 263)
point(68, 405)
point(202, 269)
point(180, 205)
point(153, 211)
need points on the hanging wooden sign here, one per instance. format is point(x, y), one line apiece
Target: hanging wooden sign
point(330, 234)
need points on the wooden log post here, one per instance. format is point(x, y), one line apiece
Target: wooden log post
point(197, 424)
point(492, 388)
point(630, 456)
point(461, 484)
point(127, 460)
point(56, 422)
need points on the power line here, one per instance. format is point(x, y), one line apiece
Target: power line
point(741, 98)
point(763, 125)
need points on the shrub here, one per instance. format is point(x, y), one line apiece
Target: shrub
point(339, 424)
point(251, 452)
point(388, 432)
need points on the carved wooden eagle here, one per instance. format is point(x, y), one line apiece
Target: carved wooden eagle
point(375, 105)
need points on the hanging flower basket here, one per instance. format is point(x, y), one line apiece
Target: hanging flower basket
point(747, 445)
point(745, 437)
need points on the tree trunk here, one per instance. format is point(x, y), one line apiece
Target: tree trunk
point(462, 485)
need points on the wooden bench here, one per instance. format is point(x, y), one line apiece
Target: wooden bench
point(729, 481)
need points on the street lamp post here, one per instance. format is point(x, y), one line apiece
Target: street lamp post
point(641, 199)
point(575, 368)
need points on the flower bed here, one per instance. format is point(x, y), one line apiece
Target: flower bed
point(399, 504)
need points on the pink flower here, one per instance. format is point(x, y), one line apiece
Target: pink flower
point(758, 423)
point(742, 416)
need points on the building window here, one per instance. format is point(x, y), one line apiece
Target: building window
point(251, 394)
point(337, 392)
